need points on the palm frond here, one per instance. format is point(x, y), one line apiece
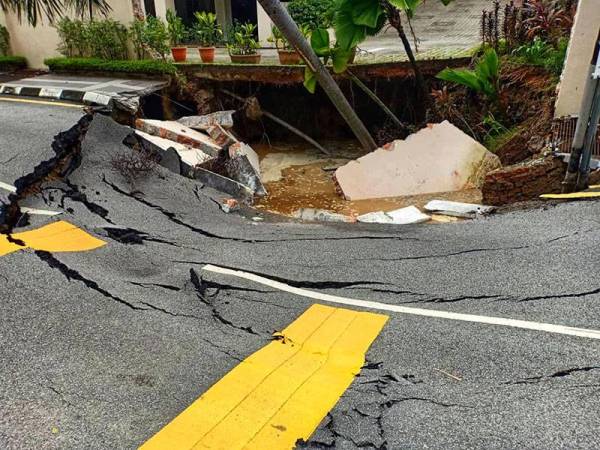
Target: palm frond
point(33, 10)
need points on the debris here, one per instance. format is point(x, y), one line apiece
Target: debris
point(403, 216)
point(439, 158)
point(258, 219)
point(243, 166)
point(230, 205)
point(221, 136)
point(203, 123)
point(190, 157)
point(454, 377)
point(321, 215)
point(224, 184)
point(131, 104)
point(176, 132)
point(457, 209)
point(170, 159)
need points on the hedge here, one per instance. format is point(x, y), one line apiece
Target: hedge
point(147, 67)
point(8, 63)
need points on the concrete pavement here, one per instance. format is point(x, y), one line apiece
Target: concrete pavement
point(102, 349)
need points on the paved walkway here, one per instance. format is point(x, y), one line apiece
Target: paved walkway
point(78, 88)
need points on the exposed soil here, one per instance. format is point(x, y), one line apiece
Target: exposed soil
point(311, 186)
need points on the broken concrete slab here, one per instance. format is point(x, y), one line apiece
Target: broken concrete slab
point(189, 157)
point(170, 160)
point(221, 136)
point(224, 184)
point(203, 123)
point(243, 166)
point(321, 215)
point(439, 158)
point(402, 216)
point(174, 131)
point(457, 209)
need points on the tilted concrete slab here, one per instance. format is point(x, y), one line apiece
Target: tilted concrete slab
point(402, 216)
point(222, 118)
point(439, 158)
point(457, 209)
point(176, 132)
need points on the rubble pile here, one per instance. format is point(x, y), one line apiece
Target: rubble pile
point(204, 148)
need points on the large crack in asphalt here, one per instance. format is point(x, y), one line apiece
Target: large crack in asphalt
point(560, 374)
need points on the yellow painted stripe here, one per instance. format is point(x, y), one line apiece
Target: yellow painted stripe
point(40, 102)
point(282, 392)
point(573, 195)
point(58, 236)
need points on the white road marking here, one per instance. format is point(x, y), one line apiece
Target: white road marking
point(536, 326)
point(7, 187)
point(39, 212)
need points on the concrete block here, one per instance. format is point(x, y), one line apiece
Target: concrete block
point(457, 209)
point(439, 158)
point(224, 184)
point(243, 166)
point(176, 132)
point(221, 136)
point(50, 93)
point(97, 99)
point(222, 118)
point(190, 157)
point(321, 215)
point(403, 216)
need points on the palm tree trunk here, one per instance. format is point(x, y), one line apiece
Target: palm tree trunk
point(288, 27)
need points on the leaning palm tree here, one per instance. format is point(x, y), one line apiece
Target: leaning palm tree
point(34, 10)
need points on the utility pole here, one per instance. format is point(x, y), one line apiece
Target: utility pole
point(578, 171)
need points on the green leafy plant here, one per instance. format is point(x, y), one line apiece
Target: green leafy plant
point(484, 79)
point(543, 54)
point(107, 39)
point(4, 41)
point(280, 40)
point(34, 10)
point(206, 29)
point(146, 67)
point(242, 39)
point(313, 13)
point(339, 57)
point(150, 34)
point(73, 37)
point(176, 29)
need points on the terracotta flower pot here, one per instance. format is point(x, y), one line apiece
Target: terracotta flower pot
point(179, 54)
point(289, 57)
point(207, 54)
point(245, 59)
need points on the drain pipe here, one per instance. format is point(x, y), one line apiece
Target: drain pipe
point(578, 170)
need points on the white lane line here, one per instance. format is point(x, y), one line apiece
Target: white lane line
point(8, 187)
point(39, 212)
point(536, 326)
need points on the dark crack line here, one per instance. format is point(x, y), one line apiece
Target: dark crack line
point(394, 401)
point(72, 274)
point(445, 255)
point(558, 296)
point(159, 285)
point(296, 283)
point(560, 374)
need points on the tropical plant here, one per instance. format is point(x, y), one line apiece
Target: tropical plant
point(543, 54)
point(281, 42)
point(175, 28)
point(320, 43)
point(34, 10)
point(547, 19)
point(149, 36)
point(242, 39)
point(313, 13)
point(73, 37)
point(484, 79)
point(206, 29)
point(4, 41)
point(356, 19)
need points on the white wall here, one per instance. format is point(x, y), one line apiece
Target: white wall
point(581, 48)
point(39, 43)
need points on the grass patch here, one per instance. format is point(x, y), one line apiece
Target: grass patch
point(9, 63)
point(495, 141)
point(145, 67)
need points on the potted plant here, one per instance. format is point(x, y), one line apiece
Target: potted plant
point(177, 34)
point(242, 45)
point(287, 54)
point(209, 34)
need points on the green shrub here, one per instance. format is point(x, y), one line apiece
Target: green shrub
point(107, 39)
point(98, 38)
point(4, 41)
point(147, 67)
point(177, 31)
point(9, 63)
point(314, 13)
point(149, 34)
point(541, 53)
point(242, 39)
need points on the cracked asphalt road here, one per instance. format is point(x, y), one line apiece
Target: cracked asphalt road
point(101, 349)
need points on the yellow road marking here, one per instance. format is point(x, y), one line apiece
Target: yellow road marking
point(55, 237)
point(573, 195)
point(40, 102)
point(282, 392)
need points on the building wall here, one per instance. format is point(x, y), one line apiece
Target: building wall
point(39, 43)
point(577, 66)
